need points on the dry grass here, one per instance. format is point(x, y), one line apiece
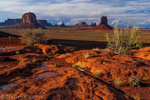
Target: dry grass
point(73, 34)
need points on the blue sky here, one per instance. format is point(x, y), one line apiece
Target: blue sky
point(136, 12)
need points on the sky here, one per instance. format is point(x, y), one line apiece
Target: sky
point(120, 12)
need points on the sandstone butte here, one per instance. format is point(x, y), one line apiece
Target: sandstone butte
point(103, 24)
point(29, 21)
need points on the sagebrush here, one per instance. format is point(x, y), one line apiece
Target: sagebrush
point(33, 36)
point(123, 41)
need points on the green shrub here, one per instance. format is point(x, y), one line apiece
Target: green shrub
point(56, 55)
point(75, 66)
point(17, 52)
point(123, 41)
point(136, 97)
point(21, 62)
point(119, 82)
point(66, 56)
point(80, 67)
point(134, 81)
point(97, 73)
point(33, 60)
point(95, 49)
point(33, 36)
point(87, 55)
point(57, 65)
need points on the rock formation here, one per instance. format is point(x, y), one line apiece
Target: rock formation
point(93, 24)
point(103, 24)
point(62, 25)
point(11, 22)
point(29, 21)
point(81, 24)
point(44, 23)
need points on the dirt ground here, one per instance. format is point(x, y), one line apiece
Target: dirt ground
point(57, 72)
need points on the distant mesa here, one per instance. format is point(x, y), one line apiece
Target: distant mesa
point(44, 23)
point(28, 21)
point(81, 24)
point(11, 22)
point(55, 25)
point(93, 24)
point(62, 25)
point(103, 24)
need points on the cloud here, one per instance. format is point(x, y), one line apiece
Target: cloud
point(73, 11)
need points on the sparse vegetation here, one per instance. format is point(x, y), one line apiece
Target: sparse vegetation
point(21, 62)
point(96, 49)
point(17, 52)
point(119, 82)
point(33, 60)
point(33, 36)
point(57, 65)
point(56, 55)
point(136, 97)
point(48, 55)
point(97, 73)
point(80, 67)
point(75, 66)
point(66, 56)
point(123, 41)
point(87, 55)
point(134, 81)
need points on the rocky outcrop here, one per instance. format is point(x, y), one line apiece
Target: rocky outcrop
point(29, 21)
point(81, 24)
point(103, 24)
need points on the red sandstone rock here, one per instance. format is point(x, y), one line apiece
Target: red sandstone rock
point(29, 21)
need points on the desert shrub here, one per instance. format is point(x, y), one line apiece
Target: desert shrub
point(136, 97)
point(81, 67)
point(33, 60)
point(134, 81)
point(123, 41)
point(119, 82)
point(87, 55)
point(95, 49)
point(97, 73)
point(33, 36)
point(17, 52)
point(66, 56)
point(75, 66)
point(57, 65)
point(21, 62)
point(57, 54)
